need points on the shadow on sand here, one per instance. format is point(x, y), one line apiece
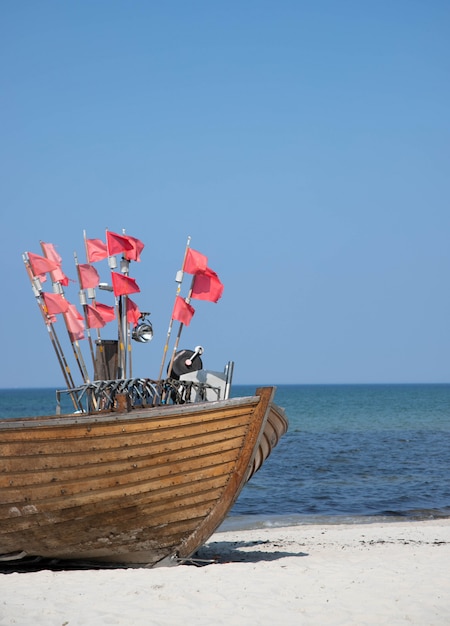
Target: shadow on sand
point(240, 552)
point(211, 553)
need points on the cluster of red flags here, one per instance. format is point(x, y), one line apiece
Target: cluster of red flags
point(97, 315)
point(206, 285)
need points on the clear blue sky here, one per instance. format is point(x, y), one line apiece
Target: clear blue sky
point(304, 146)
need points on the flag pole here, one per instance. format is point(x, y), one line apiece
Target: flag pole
point(37, 290)
point(179, 280)
point(180, 330)
point(77, 352)
point(99, 338)
point(125, 335)
point(83, 302)
point(121, 355)
point(74, 342)
point(130, 353)
point(121, 373)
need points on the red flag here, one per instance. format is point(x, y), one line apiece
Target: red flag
point(133, 312)
point(117, 244)
point(55, 303)
point(107, 312)
point(94, 317)
point(96, 250)
point(123, 285)
point(207, 286)
point(40, 265)
point(135, 253)
point(75, 323)
point(182, 311)
point(195, 262)
point(57, 274)
point(89, 277)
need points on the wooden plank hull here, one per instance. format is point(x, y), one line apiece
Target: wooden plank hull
point(145, 487)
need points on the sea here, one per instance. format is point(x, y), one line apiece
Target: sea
point(352, 454)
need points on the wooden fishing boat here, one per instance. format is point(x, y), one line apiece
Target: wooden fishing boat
point(146, 487)
point(138, 471)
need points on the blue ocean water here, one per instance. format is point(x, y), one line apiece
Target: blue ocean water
point(352, 453)
point(355, 453)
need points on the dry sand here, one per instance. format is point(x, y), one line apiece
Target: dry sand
point(374, 574)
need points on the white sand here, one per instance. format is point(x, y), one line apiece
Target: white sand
point(394, 573)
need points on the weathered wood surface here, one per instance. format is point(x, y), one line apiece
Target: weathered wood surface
point(134, 488)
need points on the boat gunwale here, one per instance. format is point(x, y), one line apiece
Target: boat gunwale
point(136, 413)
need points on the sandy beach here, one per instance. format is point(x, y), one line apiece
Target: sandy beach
point(391, 573)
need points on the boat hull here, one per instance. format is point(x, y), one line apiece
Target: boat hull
point(143, 487)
